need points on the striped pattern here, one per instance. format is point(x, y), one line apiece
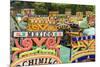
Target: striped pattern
point(83, 38)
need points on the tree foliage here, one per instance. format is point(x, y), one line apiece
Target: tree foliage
point(43, 8)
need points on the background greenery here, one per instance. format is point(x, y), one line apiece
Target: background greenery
point(43, 8)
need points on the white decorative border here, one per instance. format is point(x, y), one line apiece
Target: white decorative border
point(83, 2)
